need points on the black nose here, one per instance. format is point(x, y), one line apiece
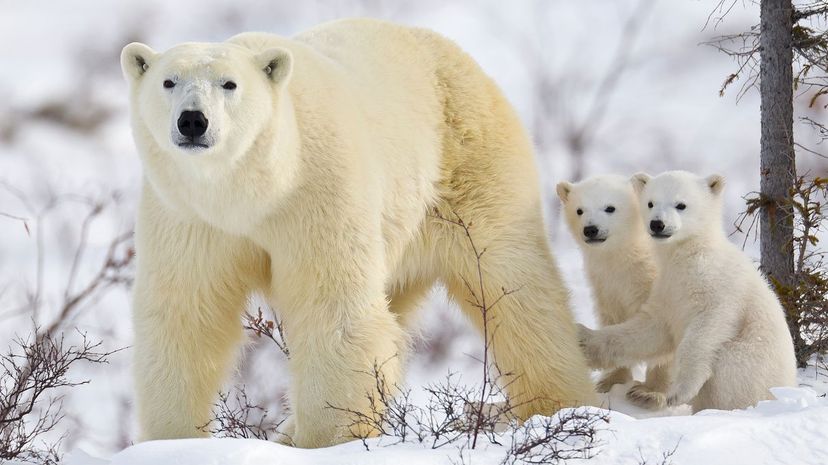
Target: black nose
point(590, 231)
point(192, 123)
point(657, 226)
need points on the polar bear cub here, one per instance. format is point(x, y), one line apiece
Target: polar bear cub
point(709, 305)
point(603, 217)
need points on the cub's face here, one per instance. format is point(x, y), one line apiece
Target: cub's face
point(208, 100)
point(676, 205)
point(601, 211)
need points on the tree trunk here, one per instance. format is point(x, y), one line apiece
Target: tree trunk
point(778, 167)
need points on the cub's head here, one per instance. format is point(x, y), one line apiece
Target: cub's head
point(207, 100)
point(676, 205)
point(601, 211)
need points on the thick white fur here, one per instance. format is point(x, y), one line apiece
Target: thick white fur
point(709, 305)
point(619, 261)
point(319, 189)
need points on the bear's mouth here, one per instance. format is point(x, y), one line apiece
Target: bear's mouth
point(661, 235)
point(596, 240)
point(193, 145)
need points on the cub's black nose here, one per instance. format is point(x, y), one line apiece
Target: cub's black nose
point(590, 231)
point(192, 123)
point(657, 226)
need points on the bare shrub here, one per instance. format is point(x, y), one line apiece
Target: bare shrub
point(453, 412)
point(236, 416)
point(569, 434)
point(452, 416)
point(33, 371)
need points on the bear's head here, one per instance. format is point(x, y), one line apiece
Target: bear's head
point(601, 211)
point(207, 100)
point(676, 205)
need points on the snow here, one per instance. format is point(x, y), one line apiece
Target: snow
point(787, 430)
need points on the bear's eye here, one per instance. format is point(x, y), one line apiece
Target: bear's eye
point(649, 204)
point(229, 85)
point(168, 84)
point(579, 212)
point(681, 206)
point(609, 209)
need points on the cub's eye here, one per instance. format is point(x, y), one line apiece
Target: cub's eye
point(609, 209)
point(649, 205)
point(579, 212)
point(229, 85)
point(168, 84)
point(681, 206)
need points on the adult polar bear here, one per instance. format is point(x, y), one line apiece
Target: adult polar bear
point(310, 169)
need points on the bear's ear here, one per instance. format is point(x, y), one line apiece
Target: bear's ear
point(715, 182)
point(639, 180)
point(136, 59)
point(563, 189)
point(276, 64)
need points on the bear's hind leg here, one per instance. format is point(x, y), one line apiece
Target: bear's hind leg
point(740, 379)
point(531, 331)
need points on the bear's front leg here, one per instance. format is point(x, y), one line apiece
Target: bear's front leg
point(190, 289)
point(345, 345)
point(697, 352)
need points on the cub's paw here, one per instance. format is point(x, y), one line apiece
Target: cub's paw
point(684, 390)
point(591, 347)
point(641, 395)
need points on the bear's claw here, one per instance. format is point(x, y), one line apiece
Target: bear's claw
point(642, 396)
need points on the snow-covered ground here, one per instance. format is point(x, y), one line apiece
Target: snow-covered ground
point(789, 430)
point(64, 135)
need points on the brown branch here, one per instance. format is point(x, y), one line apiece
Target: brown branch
point(724, 11)
point(118, 258)
point(270, 329)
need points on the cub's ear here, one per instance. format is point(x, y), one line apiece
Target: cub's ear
point(136, 58)
point(639, 180)
point(716, 183)
point(276, 64)
point(563, 189)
